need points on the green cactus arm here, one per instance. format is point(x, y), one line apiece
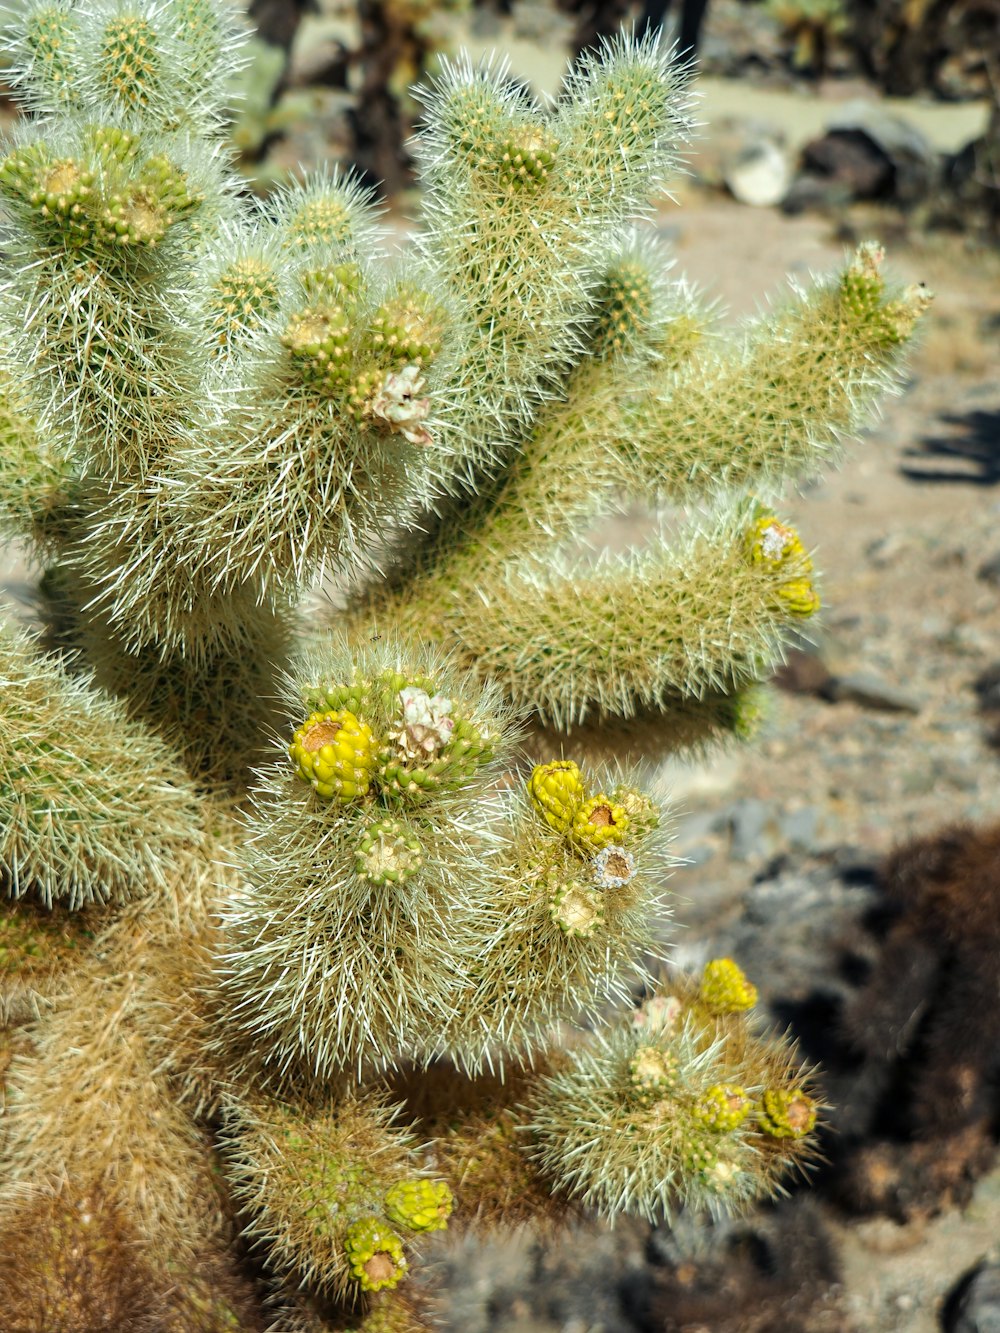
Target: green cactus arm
point(94, 807)
point(38, 483)
point(334, 1193)
point(683, 1103)
point(623, 633)
point(778, 402)
point(518, 207)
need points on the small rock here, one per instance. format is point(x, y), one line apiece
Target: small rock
point(989, 570)
point(987, 688)
point(759, 174)
point(976, 1305)
point(750, 836)
point(870, 692)
point(799, 828)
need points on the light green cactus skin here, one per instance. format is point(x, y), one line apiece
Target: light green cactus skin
point(205, 404)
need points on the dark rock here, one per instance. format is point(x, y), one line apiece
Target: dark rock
point(989, 570)
point(974, 1306)
point(870, 691)
point(987, 688)
point(872, 155)
point(803, 672)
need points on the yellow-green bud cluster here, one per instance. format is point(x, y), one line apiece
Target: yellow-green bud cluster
point(325, 220)
point(411, 769)
point(242, 297)
point(723, 1108)
point(643, 814)
point(362, 391)
point(524, 159)
point(374, 1254)
point(624, 308)
point(335, 753)
point(421, 1205)
point(406, 330)
point(388, 853)
point(129, 64)
point(576, 908)
point(725, 989)
point(652, 1074)
point(776, 546)
point(319, 343)
point(556, 791)
point(786, 1113)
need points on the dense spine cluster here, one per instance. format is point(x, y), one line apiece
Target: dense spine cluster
point(303, 954)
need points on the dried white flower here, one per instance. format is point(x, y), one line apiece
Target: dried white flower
point(397, 405)
point(659, 1013)
point(427, 726)
point(774, 541)
point(614, 867)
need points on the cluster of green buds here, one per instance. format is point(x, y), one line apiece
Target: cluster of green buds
point(406, 329)
point(125, 204)
point(374, 1252)
point(778, 547)
point(524, 159)
point(318, 340)
point(862, 291)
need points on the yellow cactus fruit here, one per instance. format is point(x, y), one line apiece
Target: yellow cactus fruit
point(388, 853)
point(725, 988)
point(800, 597)
point(556, 791)
point(643, 813)
point(722, 1108)
point(652, 1074)
point(374, 1254)
point(577, 910)
point(421, 1205)
point(598, 822)
point(786, 1113)
point(335, 753)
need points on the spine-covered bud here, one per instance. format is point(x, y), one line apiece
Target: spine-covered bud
point(130, 64)
point(374, 1254)
point(598, 822)
point(556, 792)
point(421, 1205)
point(725, 988)
point(241, 299)
point(786, 1113)
point(334, 752)
point(624, 309)
point(643, 813)
point(388, 853)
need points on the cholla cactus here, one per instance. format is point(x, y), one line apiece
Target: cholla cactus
point(323, 999)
